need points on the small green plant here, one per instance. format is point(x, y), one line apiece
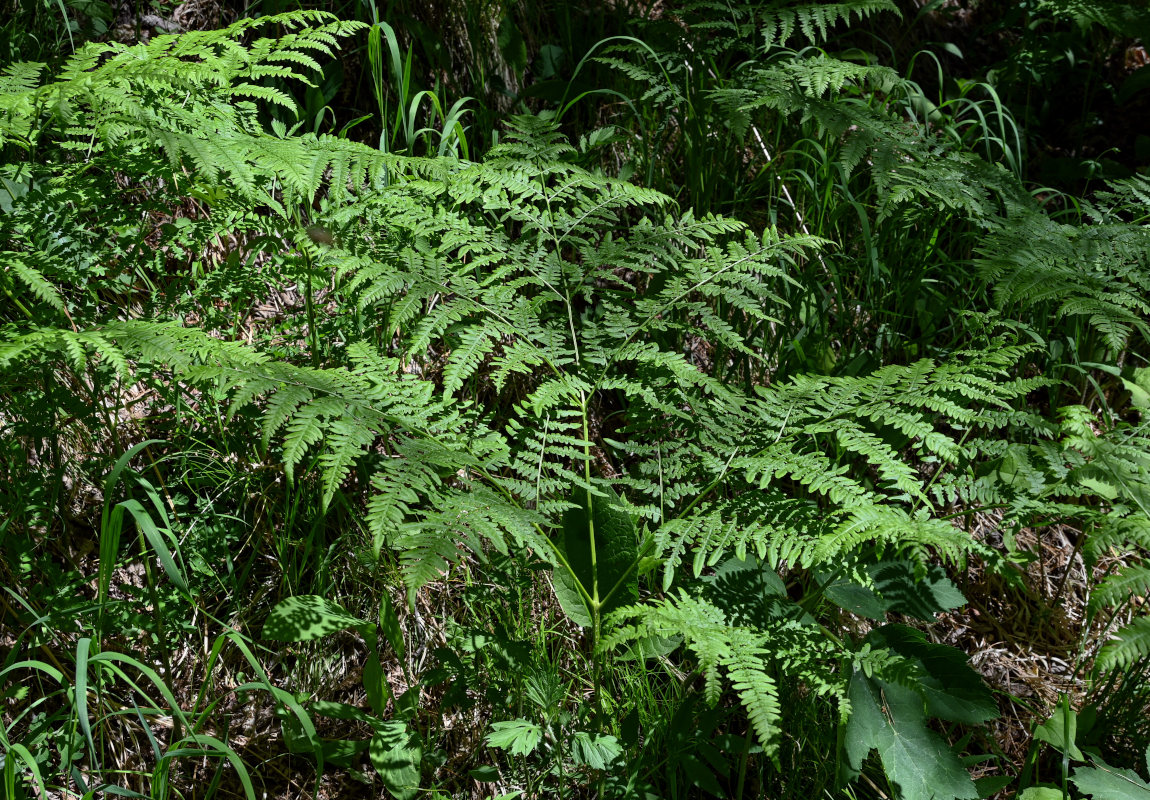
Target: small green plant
point(1066, 732)
point(394, 747)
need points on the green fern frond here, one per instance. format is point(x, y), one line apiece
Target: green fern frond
point(1131, 581)
point(1100, 272)
point(815, 20)
point(39, 285)
point(741, 652)
point(1130, 644)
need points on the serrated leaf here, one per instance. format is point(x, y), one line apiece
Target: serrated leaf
point(949, 687)
point(1103, 782)
point(570, 600)
point(594, 751)
point(891, 719)
point(857, 599)
point(897, 589)
point(517, 736)
point(749, 592)
point(923, 598)
point(608, 559)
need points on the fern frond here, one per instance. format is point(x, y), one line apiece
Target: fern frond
point(742, 652)
point(39, 285)
point(1131, 581)
point(1130, 644)
point(815, 20)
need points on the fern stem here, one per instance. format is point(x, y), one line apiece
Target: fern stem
point(309, 305)
point(566, 296)
point(16, 300)
point(744, 757)
point(596, 604)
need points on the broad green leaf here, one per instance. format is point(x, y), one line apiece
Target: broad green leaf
point(570, 600)
point(857, 599)
point(1100, 487)
point(375, 684)
point(397, 754)
point(949, 687)
point(1061, 730)
point(991, 785)
point(905, 593)
point(306, 617)
point(517, 736)
point(1041, 793)
point(647, 647)
point(326, 708)
point(749, 592)
point(343, 752)
point(389, 623)
point(1139, 389)
point(485, 774)
point(896, 588)
point(610, 557)
point(549, 63)
point(596, 752)
point(701, 775)
point(407, 704)
point(890, 718)
point(1103, 782)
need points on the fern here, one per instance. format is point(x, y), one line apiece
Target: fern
point(496, 341)
point(814, 21)
point(774, 24)
point(741, 652)
point(1130, 645)
point(1100, 272)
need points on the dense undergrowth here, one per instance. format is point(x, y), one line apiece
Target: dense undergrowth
point(716, 408)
